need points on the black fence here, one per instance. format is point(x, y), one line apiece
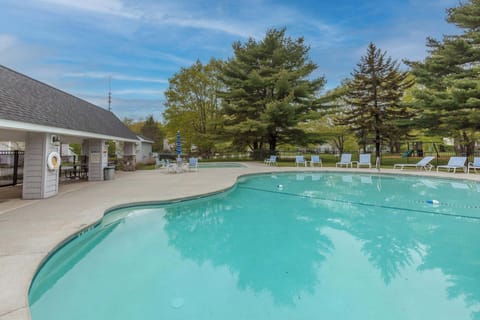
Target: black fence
point(289, 155)
point(11, 168)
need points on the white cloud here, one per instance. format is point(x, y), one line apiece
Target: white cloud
point(113, 76)
point(435, 3)
point(162, 56)
point(404, 48)
point(174, 58)
point(207, 24)
point(166, 16)
point(136, 109)
point(6, 42)
point(15, 53)
point(140, 91)
point(110, 7)
point(252, 20)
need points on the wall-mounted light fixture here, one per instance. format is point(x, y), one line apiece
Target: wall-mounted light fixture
point(55, 140)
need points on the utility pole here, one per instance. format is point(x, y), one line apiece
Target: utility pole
point(110, 93)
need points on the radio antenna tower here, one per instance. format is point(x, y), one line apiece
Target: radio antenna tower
point(110, 93)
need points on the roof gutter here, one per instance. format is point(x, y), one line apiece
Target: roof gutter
point(30, 127)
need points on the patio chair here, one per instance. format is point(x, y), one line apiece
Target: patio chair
point(272, 161)
point(160, 163)
point(364, 160)
point(474, 165)
point(314, 159)
point(422, 164)
point(178, 166)
point(455, 163)
point(300, 160)
point(193, 164)
point(345, 160)
point(171, 167)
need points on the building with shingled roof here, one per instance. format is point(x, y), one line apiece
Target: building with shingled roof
point(43, 117)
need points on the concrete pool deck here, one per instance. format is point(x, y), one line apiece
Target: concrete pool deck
point(31, 229)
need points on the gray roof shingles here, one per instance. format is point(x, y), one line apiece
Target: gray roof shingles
point(24, 99)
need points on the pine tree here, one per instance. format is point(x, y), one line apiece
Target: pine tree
point(374, 97)
point(267, 90)
point(151, 129)
point(449, 94)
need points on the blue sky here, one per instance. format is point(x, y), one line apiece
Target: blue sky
point(75, 45)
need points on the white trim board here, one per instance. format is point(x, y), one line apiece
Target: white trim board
point(30, 127)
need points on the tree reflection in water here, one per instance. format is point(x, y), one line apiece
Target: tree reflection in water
point(273, 238)
point(259, 246)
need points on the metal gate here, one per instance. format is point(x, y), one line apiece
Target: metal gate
point(11, 167)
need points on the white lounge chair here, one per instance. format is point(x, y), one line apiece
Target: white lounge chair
point(455, 163)
point(422, 164)
point(315, 159)
point(364, 160)
point(345, 160)
point(193, 164)
point(272, 161)
point(300, 160)
point(474, 165)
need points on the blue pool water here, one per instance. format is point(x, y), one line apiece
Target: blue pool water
point(220, 165)
point(284, 246)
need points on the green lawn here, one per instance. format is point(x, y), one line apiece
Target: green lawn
point(328, 160)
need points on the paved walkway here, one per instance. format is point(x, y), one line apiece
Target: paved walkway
point(31, 229)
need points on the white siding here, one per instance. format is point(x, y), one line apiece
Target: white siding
point(38, 181)
point(144, 152)
point(97, 159)
point(129, 149)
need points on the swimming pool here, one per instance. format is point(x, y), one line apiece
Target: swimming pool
point(283, 246)
point(220, 165)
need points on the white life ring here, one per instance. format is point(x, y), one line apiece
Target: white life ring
point(54, 161)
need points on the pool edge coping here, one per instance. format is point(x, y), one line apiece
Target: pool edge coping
point(266, 171)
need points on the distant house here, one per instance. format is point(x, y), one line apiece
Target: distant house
point(144, 149)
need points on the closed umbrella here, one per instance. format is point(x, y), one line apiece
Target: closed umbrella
point(178, 147)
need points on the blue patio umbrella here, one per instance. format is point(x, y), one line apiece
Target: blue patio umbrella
point(178, 147)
